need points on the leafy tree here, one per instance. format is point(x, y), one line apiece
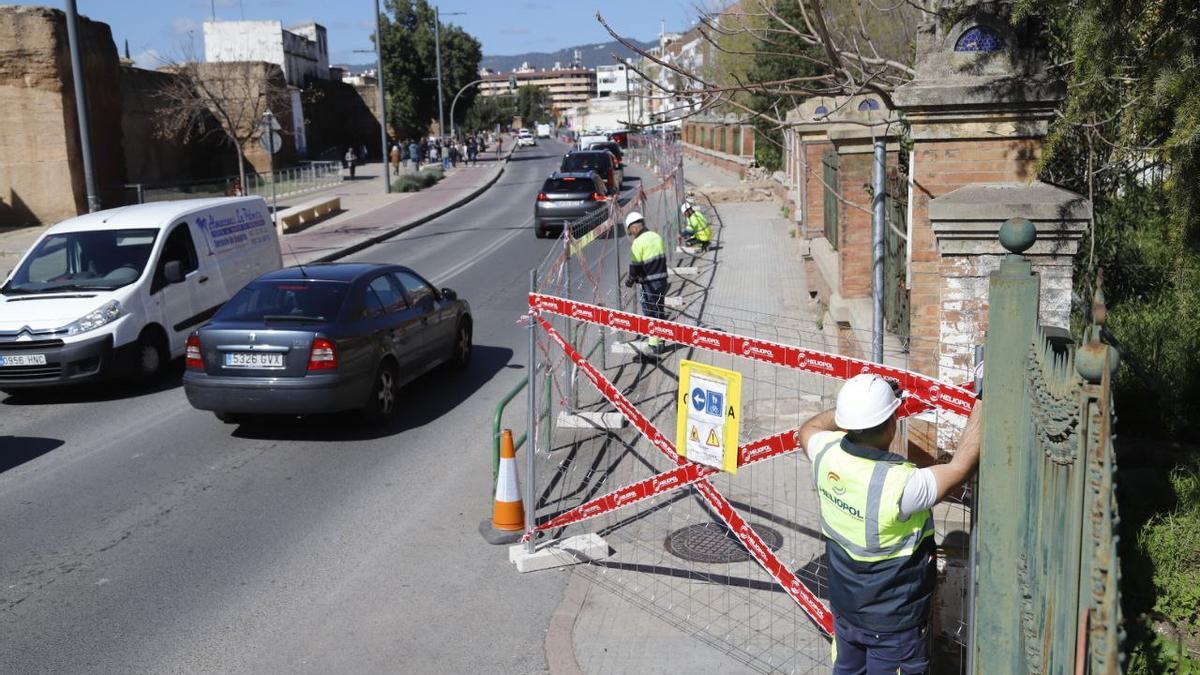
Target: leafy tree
point(489, 111)
point(1129, 136)
point(410, 64)
point(533, 104)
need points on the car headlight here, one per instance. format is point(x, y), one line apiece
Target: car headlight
point(94, 319)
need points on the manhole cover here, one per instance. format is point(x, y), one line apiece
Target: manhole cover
point(714, 543)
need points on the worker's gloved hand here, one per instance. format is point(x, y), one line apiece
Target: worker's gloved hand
point(629, 282)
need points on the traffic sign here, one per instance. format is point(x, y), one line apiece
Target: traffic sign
point(271, 142)
point(709, 412)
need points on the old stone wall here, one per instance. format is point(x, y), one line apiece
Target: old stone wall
point(155, 156)
point(41, 169)
point(340, 116)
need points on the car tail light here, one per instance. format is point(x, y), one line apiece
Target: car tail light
point(542, 197)
point(322, 356)
point(194, 360)
point(597, 197)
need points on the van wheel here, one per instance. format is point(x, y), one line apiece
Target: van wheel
point(150, 357)
point(381, 404)
point(462, 346)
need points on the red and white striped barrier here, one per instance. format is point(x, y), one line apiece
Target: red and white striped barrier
point(924, 392)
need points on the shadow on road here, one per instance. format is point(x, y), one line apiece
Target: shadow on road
point(112, 390)
point(421, 402)
point(16, 450)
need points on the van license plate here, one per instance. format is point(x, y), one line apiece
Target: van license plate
point(7, 360)
point(253, 360)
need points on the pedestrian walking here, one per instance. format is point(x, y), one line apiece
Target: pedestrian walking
point(414, 152)
point(395, 158)
point(499, 145)
point(648, 267)
point(350, 159)
point(434, 153)
point(876, 517)
point(472, 150)
point(362, 153)
point(696, 232)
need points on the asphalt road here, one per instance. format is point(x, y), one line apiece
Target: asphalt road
point(140, 535)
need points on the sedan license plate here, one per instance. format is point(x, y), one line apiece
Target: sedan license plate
point(9, 360)
point(253, 360)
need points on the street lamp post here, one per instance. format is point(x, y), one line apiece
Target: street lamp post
point(81, 108)
point(454, 102)
point(269, 123)
point(437, 48)
point(387, 179)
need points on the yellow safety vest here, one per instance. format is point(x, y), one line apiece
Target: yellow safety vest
point(860, 503)
point(697, 226)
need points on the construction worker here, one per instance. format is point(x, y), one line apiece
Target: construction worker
point(647, 266)
point(696, 232)
point(876, 519)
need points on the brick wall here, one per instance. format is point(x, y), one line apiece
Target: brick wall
point(854, 226)
point(941, 167)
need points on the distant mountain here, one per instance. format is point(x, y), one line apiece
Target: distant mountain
point(591, 55)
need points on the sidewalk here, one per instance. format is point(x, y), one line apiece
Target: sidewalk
point(369, 214)
point(643, 610)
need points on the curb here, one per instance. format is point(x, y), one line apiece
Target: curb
point(559, 645)
point(371, 241)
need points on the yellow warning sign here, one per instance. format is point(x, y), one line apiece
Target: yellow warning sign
point(709, 407)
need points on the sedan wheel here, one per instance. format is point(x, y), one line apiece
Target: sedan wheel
point(382, 404)
point(462, 347)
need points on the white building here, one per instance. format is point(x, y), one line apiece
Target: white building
point(612, 80)
point(302, 51)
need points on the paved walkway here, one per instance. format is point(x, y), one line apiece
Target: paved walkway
point(369, 213)
point(676, 622)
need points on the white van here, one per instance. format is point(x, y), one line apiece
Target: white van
point(543, 130)
point(119, 291)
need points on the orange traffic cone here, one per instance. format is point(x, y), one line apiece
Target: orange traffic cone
point(508, 513)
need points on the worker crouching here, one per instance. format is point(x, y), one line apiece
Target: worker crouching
point(696, 233)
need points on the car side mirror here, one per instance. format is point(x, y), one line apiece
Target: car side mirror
point(173, 272)
point(449, 295)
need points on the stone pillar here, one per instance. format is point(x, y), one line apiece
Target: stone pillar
point(978, 109)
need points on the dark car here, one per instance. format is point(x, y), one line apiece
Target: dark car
point(602, 162)
point(612, 147)
point(565, 197)
point(621, 138)
point(324, 338)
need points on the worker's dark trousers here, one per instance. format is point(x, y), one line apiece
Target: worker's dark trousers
point(652, 300)
point(865, 652)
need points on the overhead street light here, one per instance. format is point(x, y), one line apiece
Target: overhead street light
point(437, 47)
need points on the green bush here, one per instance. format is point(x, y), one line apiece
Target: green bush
point(413, 182)
point(1161, 574)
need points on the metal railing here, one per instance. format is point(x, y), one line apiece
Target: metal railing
point(498, 419)
point(307, 177)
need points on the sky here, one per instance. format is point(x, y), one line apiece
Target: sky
point(161, 29)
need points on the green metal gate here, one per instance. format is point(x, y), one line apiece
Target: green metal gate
point(895, 256)
point(1047, 577)
point(829, 164)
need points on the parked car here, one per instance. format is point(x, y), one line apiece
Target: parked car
point(600, 161)
point(525, 138)
point(118, 291)
point(565, 197)
point(325, 338)
point(612, 147)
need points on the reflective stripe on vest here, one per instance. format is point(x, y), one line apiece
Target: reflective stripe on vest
point(648, 251)
point(860, 504)
point(698, 226)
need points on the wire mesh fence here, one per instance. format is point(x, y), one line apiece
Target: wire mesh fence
point(671, 555)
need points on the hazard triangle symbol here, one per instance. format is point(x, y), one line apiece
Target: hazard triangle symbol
point(712, 439)
point(695, 435)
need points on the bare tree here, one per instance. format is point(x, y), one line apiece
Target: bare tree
point(236, 95)
point(857, 47)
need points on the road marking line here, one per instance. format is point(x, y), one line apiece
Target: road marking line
point(469, 262)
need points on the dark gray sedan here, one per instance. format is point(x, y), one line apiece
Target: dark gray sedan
point(567, 197)
point(324, 338)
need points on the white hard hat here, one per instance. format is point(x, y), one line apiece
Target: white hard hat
point(683, 208)
point(634, 217)
point(865, 402)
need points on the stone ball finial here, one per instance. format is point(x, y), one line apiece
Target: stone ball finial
point(1017, 235)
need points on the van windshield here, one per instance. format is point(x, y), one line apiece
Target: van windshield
point(94, 260)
